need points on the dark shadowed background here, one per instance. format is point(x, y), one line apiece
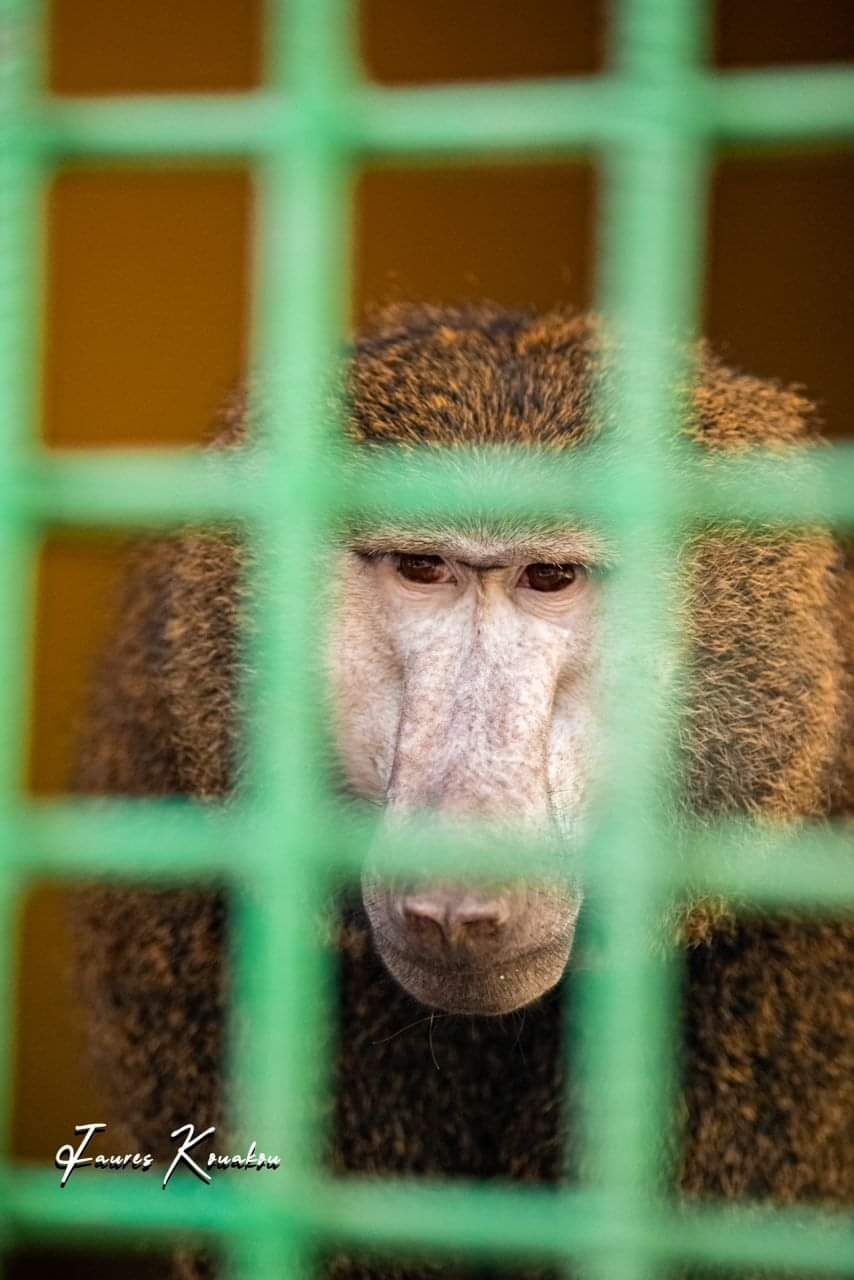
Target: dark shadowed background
point(147, 300)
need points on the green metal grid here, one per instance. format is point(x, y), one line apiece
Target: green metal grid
point(652, 120)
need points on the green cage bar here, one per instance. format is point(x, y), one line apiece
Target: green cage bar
point(651, 120)
point(651, 241)
point(19, 220)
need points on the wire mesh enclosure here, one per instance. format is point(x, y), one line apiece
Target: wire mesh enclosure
point(652, 121)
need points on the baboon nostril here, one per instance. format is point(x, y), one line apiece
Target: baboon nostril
point(465, 919)
point(486, 915)
point(424, 916)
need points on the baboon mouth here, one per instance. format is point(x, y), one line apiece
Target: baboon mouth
point(476, 987)
point(465, 963)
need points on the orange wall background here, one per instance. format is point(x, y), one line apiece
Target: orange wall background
point(148, 291)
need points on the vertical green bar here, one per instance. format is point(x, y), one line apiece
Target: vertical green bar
point(302, 281)
point(651, 248)
point(20, 224)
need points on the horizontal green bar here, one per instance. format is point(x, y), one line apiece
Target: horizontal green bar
point(491, 1221)
point(485, 1220)
point(173, 840)
point(478, 1219)
point(519, 119)
point(814, 487)
point(795, 1240)
point(146, 839)
point(223, 125)
point(587, 112)
point(771, 106)
point(95, 1209)
point(811, 866)
point(121, 488)
point(176, 840)
point(372, 121)
point(600, 484)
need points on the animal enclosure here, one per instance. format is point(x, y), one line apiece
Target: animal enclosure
point(651, 122)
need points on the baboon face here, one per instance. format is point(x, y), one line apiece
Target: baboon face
point(464, 689)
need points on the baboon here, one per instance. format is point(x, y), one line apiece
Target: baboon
point(463, 666)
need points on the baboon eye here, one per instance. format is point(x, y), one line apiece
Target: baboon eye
point(423, 568)
point(550, 577)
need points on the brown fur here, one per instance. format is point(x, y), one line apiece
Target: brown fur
point(768, 1024)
